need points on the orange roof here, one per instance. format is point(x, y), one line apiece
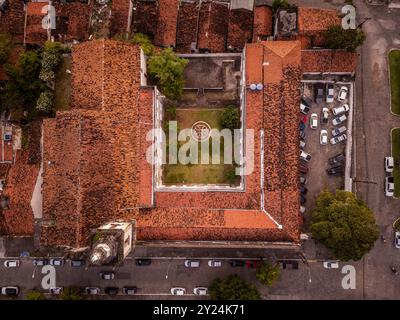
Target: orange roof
point(262, 22)
point(12, 20)
point(167, 23)
point(316, 19)
point(328, 61)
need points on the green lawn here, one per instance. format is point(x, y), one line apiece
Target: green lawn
point(394, 62)
point(200, 173)
point(396, 156)
point(63, 85)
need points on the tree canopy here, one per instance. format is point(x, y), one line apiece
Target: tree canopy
point(344, 224)
point(5, 48)
point(35, 295)
point(166, 69)
point(144, 42)
point(338, 38)
point(233, 288)
point(230, 118)
point(71, 293)
point(268, 273)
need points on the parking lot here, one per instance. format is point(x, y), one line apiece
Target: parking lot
point(317, 177)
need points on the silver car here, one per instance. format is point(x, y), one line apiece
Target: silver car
point(214, 263)
point(92, 290)
point(339, 120)
point(200, 291)
point(338, 139)
point(397, 239)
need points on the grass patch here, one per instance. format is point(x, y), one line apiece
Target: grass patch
point(200, 173)
point(396, 156)
point(394, 64)
point(62, 89)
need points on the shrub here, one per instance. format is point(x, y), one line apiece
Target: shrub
point(71, 293)
point(144, 42)
point(35, 295)
point(338, 38)
point(268, 273)
point(230, 118)
point(5, 47)
point(279, 4)
point(233, 288)
point(45, 103)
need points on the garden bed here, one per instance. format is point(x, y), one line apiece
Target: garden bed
point(396, 156)
point(394, 64)
point(62, 89)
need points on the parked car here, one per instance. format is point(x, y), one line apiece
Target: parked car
point(214, 263)
point(397, 239)
point(302, 126)
point(342, 109)
point(303, 180)
point(11, 291)
point(335, 171)
point(192, 263)
point(130, 291)
point(112, 291)
point(56, 290)
point(178, 291)
point(303, 168)
point(343, 93)
point(338, 131)
point(40, 262)
point(252, 263)
point(337, 159)
point(338, 139)
point(56, 262)
point(305, 105)
point(389, 186)
point(107, 275)
point(330, 92)
point(319, 92)
point(237, 263)
point(303, 189)
point(77, 263)
point(331, 264)
point(200, 291)
point(305, 156)
point(389, 164)
point(313, 121)
point(92, 290)
point(302, 144)
point(11, 263)
point(338, 120)
point(302, 135)
point(302, 209)
point(325, 115)
point(143, 262)
point(323, 137)
point(303, 199)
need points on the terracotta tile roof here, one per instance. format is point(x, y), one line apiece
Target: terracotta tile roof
point(95, 178)
point(167, 23)
point(316, 19)
point(187, 26)
point(144, 18)
point(34, 32)
point(12, 20)
point(262, 23)
point(72, 22)
point(328, 61)
point(21, 179)
point(239, 28)
point(213, 26)
point(119, 16)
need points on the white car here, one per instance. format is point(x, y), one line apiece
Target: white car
point(178, 291)
point(200, 291)
point(342, 109)
point(11, 291)
point(323, 137)
point(330, 93)
point(11, 263)
point(56, 262)
point(302, 144)
point(92, 290)
point(192, 263)
point(313, 121)
point(389, 164)
point(338, 120)
point(343, 93)
point(397, 239)
point(302, 209)
point(331, 265)
point(338, 139)
point(305, 156)
point(214, 263)
point(389, 186)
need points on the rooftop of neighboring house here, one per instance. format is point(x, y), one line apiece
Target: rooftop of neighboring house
point(239, 28)
point(318, 61)
point(317, 19)
point(167, 23)
point(262, 23)
point(12, 20)
point(15, 52)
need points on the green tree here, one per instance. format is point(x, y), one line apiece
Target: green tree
point(144, 42)
point(267, 273)
point(45, 102)
point(71, 293)
point(344, 224)
point(166, 69)
point(51, 58)
point(35, 295)
point(233, 288)
point(279, 4)
point(338, 38)
point(230, 118)
point(5, 48)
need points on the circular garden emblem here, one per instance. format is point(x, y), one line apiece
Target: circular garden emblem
point(201, 131)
